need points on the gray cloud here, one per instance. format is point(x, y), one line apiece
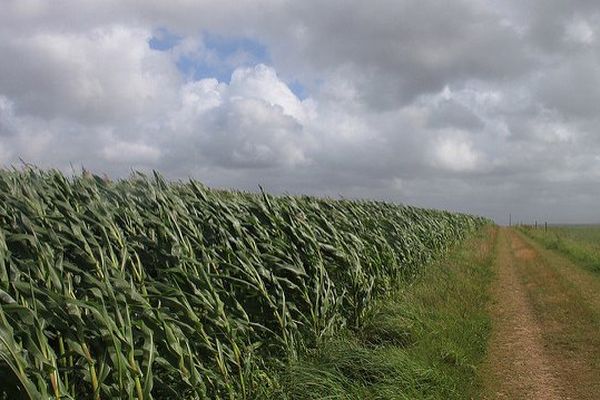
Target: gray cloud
point(451, 113)
point(473, 105)
point(395, 51)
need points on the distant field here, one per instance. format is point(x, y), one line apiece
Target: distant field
point(581, 243)
point(586, 234)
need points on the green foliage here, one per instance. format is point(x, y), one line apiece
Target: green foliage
point(423, 341)
point(144, 288)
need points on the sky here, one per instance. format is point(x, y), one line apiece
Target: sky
point(482, 106)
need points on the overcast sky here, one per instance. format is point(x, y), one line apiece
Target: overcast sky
point(484, 106)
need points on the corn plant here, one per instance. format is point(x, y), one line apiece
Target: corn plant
point(144, 288)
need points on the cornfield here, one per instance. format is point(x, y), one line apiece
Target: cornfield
point(144, 288)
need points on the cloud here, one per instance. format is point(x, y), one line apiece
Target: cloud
point(472, 105)
point(137, 153)
point(449, 112)
point(580, 31)
point(254, 121)
point(7, 117)
point(572, 87)
point(455, 153)
point(262, 83)
point(107, 75)
point(396, 51)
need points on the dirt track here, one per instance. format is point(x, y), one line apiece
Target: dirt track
point(545, 340)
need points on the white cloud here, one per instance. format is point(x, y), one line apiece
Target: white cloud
point(255, 121)
point(455, 153)
point(106, 74)
point(580, 31)
point(133, 153)
point(261, 82)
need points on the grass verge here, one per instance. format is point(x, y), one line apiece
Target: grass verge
point(574, 243)
point(423, 341)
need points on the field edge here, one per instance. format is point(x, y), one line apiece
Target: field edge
point(424, 340)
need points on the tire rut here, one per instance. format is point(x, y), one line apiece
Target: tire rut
point(517, 366)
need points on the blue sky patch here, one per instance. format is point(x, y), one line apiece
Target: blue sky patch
point(163, 40)
point(298, 89)
point(227, 47)
point(223, 54)
point(219, 58)
point(226, 54)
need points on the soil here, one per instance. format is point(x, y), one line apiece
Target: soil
point(545, 341)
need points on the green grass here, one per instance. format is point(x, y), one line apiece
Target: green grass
point(144, 288)
point(581, 243)
point(423, 341)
